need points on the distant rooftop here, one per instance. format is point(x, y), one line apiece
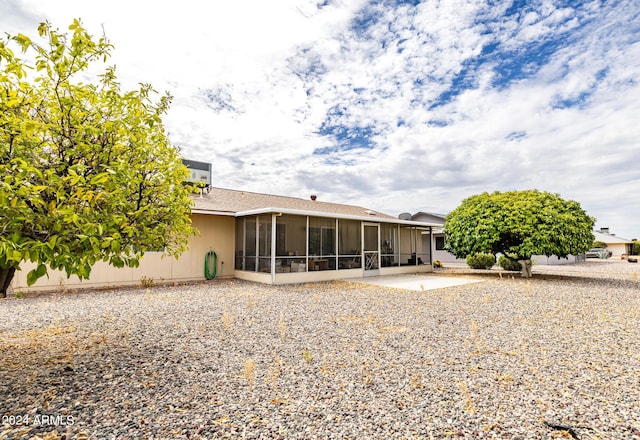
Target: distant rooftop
point(607, 237)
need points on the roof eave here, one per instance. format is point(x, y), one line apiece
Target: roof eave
point(370, 218)
point(213, 212)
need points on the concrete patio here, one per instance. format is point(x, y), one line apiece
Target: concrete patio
point(417, 282)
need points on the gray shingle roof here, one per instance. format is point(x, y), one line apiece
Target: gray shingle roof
point(234, 201)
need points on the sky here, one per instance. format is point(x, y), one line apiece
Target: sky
point(398, 106)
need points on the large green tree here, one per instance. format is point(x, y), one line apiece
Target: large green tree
point(86, 169)
point(518, 224)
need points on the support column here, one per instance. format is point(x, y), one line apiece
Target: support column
point(274, 216)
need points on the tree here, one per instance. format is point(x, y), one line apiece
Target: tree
point(86, 170)
point(518, 224)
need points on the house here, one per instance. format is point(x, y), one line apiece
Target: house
point(618, 247)
point(437, 236)
point(273, 239)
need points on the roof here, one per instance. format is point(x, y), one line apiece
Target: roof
point(223, 201)
point(609, 238)
point(429, 217)
point(235, 201)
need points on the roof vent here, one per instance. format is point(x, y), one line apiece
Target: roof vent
point(370, 212)
point(405, 216)
point(314, 197)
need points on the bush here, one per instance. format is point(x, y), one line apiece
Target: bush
point(481, 261)
point(437, 263)
point(509, 264)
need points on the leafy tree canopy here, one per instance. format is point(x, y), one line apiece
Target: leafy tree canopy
point(86, 170)
point(518, 224)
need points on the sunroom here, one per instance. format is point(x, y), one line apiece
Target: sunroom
point(291, 246)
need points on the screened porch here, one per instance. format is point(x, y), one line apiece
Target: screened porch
point(280, 245)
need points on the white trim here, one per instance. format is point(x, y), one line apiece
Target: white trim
point(306, 246)
point(256, 265)
point(333, 215)
point(274, 216)
point(204, 211)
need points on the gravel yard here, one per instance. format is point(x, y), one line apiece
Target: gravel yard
point(552, 357)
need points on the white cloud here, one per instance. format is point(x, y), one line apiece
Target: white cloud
point(452, 98)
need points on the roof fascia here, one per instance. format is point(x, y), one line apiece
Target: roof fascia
point(371, 218)
point(206, 212)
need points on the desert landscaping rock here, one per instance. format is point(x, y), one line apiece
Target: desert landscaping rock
point(551, 357)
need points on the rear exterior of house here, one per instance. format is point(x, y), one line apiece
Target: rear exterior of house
point(271, 239)
point(282, 240)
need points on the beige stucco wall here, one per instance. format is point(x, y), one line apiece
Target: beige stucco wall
point(617, 249)
point(215, 233)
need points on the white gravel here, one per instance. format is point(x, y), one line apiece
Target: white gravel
point(505, 358)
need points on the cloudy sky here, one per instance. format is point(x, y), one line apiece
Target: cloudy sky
point(393, 105)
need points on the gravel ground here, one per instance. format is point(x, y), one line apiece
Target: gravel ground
point(552, 357)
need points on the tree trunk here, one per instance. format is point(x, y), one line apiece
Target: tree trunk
point(526, 267)
point(6, 276)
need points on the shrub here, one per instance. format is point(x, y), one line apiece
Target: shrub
point(437, 263)
point(481, 261)
point(146, 282)
point(509, 264)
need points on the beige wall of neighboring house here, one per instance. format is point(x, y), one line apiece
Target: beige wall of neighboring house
point(618, 250)
point(215, 233)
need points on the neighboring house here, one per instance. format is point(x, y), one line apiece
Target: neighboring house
point(616, 245)
point(439, 252)
point(437, 237)
point(273, 239)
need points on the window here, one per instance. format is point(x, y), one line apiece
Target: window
point(424, 246)
point(440, 243)
point(322, 243)
point(264, 243)
point(349, 247)
point(291, 237)
point(408, 245)
point(389, 244)
point(291, 243)
point(239, 257)
point(253, 243)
